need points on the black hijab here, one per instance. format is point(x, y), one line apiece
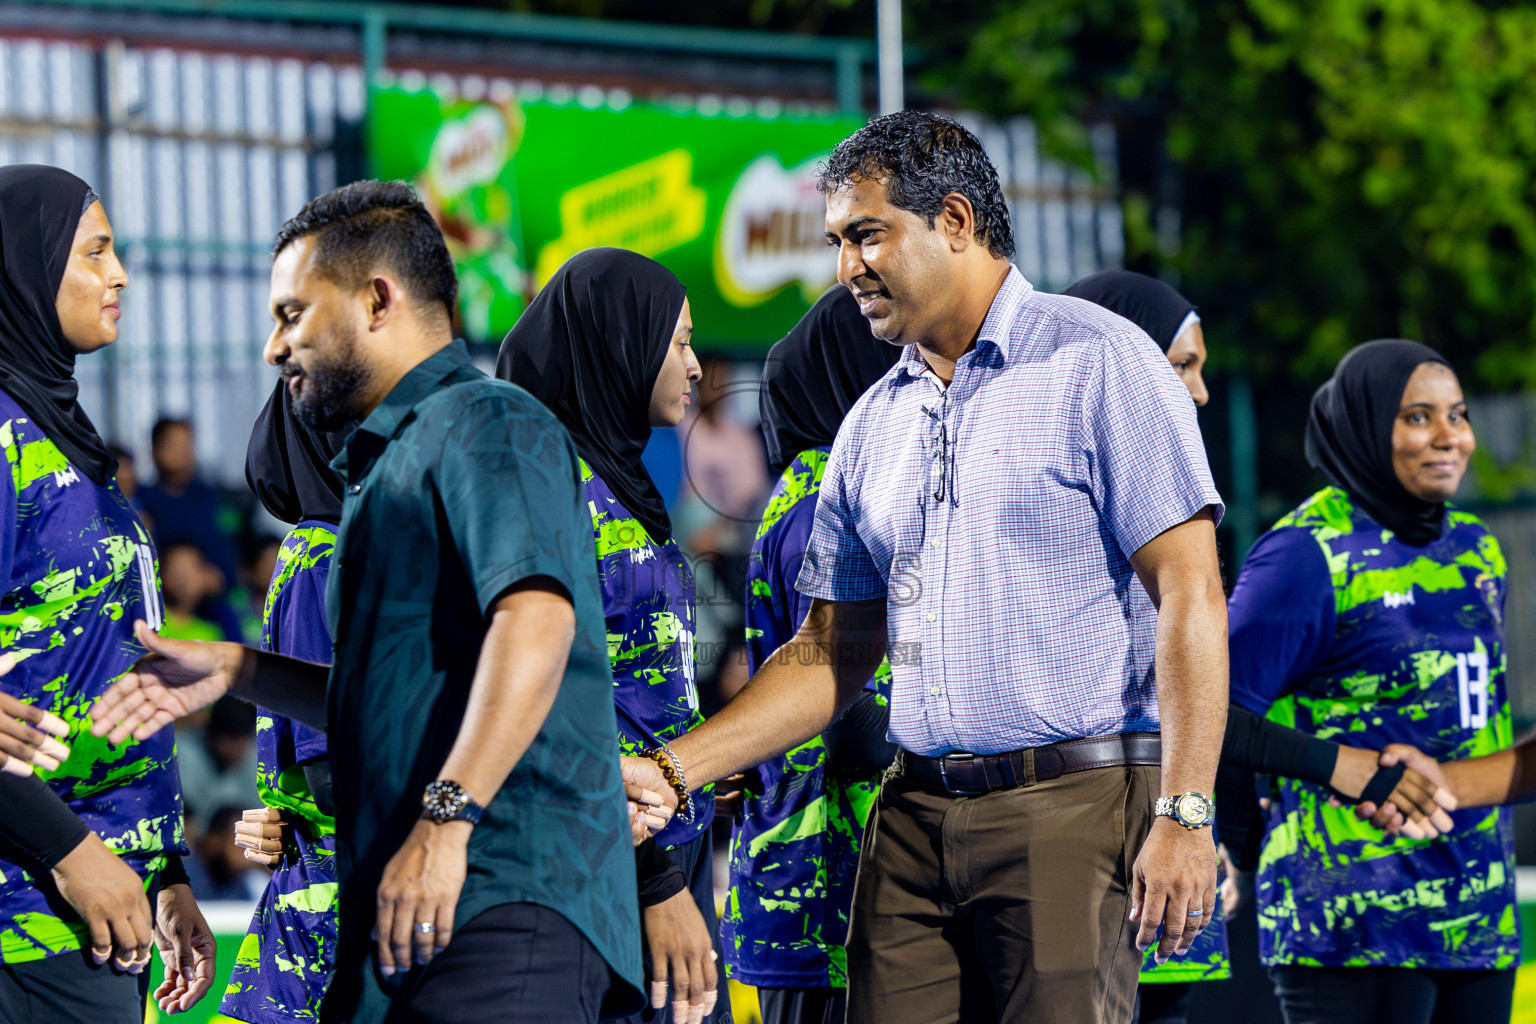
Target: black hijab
point(40, 208)
point(1150, 304)
point(1349, 435)
point(288, 465)
point(590, 347)
point(813, 377)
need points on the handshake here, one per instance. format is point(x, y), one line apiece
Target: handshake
point(1418, 792)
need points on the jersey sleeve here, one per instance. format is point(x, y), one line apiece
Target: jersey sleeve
point(300, 631)
point(1146, 463)
point(836, 564)
point(512, 497)
point(1280, 618)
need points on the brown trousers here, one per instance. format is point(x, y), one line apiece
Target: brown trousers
point(1007, 907)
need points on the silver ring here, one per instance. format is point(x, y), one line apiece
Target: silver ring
point(1192, 913)
point(426, 927)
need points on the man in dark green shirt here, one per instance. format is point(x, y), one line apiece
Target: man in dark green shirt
point(470, 673)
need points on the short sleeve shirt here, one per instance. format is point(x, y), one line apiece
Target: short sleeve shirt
point(997, 518)
point(77, 568)
point(457, 488)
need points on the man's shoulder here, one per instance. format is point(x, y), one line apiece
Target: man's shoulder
point(480, 398)
point(1064, 320)
point(877, 400)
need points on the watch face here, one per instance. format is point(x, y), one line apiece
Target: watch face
point(443, 800)
point(1192, 809)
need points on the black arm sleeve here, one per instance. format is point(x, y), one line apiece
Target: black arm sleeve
point(1239, 823)
point(857, 739)
point(659, 879)
point(175, 872)
point(317, 773)
point(1256, 743)
point(37, 819)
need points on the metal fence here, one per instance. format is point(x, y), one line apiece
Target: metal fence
point(202, 134)
point(198, 157)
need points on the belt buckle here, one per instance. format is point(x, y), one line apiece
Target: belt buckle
point(944, 772)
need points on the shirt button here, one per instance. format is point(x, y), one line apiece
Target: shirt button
point(935, 543)
point(355, 489)
point(933, 617)
point(935, 690)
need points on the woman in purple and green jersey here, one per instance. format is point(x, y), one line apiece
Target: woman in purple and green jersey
point(91, 843)
point(606, 346)
point(289, 949)
point(1374, 611)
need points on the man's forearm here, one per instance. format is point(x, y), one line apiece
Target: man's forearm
point(794, 695)
point(287, 686)
point(522, 662)
point(1192, 688)
point(1508, 776)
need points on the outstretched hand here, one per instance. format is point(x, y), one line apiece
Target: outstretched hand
point(176, 678)
point(1400, 814)
point(29, 736)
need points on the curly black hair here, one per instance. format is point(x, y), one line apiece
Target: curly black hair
point(376, 225)
point(921, 158)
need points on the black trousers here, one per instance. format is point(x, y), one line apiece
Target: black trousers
point(1163, 1003)
point(802, 1005)
point(71, 987)
point(518, 963)
point(1393, 995)
point(697, 859)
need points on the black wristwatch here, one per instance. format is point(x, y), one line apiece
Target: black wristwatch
point(445, 800)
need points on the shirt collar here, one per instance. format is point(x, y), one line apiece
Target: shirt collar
point(419, 382)
point(994, 333)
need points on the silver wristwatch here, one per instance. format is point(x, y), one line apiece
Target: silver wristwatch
point(1192, 810)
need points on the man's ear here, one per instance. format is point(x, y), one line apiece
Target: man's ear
point(383, 300)
point(957, 221)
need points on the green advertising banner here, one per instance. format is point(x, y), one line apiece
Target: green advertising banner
point(458, 154)
point(728, 203)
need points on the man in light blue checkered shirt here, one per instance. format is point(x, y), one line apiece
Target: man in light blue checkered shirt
point(989, 513)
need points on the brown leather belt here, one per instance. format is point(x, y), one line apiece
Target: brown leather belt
point(973, 774)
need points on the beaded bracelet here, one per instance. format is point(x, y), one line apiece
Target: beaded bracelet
point(672, 770)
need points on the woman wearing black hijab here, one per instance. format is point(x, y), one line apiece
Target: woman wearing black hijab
point(793, 952)
point(76, 569)
point(605, 346)
point(288, 950)
point(1375, 610)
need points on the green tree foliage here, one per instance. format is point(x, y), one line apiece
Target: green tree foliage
point(1350, 169)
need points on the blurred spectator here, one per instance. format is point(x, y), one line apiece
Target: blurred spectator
point(187, 580)
point(724, 462)
point(127, 475)
point(218, 761)
point(259, 569)
point(182, 508)
point(725, 485)
point(218, 869)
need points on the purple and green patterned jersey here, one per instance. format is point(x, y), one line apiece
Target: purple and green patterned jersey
point(77, 568)
point(1343, 631)
point(648, 605)
point(795, 851)
point(282, 967)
